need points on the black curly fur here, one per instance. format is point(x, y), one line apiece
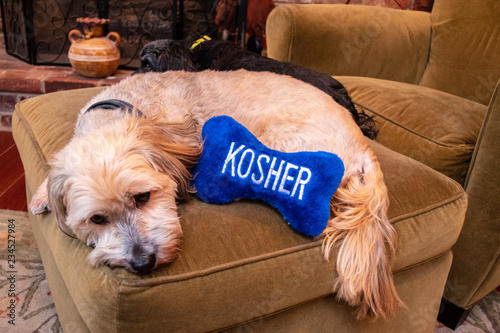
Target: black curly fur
point(164, 55)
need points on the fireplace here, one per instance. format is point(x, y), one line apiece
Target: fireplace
point(36, 31)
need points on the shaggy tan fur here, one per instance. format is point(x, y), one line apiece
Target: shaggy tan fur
point(98, 182)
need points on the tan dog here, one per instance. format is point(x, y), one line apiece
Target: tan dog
point(115, 184)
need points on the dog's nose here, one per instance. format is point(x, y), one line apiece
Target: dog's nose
point(144, 264)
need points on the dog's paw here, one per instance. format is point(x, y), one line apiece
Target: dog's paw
point(39, 203)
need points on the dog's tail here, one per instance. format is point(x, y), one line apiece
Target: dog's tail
point(367, 248)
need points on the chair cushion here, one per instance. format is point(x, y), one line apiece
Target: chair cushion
point(464, 57)
point(430, 126)
point(238, 261)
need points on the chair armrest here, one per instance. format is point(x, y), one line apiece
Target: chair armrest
point(476, 253)
point(484, 164)
point(351, 40)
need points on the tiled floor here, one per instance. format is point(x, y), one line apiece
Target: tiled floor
point(12, 186)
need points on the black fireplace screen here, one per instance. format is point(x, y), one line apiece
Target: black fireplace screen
point(36, 30)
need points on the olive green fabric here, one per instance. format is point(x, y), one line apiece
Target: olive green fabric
point(319, 315)
point(351, 40)
point(327, 315)
point(465, 48)
point(430, 126)
point(239, 262)
point(478, 248)
point(454, 49)
point(438, 121)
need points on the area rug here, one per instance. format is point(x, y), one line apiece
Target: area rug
point(26, 301)
point(484, 317)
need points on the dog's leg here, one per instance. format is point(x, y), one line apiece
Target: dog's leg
point(361, 230)
point(40, 201)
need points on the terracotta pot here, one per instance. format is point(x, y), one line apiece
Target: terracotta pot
point(91, 54)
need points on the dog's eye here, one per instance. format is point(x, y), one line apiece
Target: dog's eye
point(98, 219)
point(146, 65)
point(141, 199)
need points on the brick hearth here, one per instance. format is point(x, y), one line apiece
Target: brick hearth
point(19, 80)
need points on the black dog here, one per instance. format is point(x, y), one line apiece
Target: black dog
point(165, 55)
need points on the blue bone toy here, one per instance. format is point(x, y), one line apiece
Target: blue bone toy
point(234, 164)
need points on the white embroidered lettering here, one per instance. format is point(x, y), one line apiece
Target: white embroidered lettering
point(230, 158)
point(286, 177)
point(259, 165)
point(248, 151)
point(275, 173)
point(302, 182)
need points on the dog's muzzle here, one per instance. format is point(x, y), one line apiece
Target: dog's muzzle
point(143, 263)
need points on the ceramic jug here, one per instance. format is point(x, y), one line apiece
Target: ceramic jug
point(91, 54)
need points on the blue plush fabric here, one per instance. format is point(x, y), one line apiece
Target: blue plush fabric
point(234, 165)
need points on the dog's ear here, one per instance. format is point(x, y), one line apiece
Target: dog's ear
point(57, 195)
point(170, 148)
point(175, 57)
point(50, 196)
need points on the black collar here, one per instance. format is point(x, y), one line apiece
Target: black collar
point(113, 104)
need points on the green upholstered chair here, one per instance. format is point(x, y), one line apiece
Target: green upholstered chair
point(242, 268)
point(430, 81)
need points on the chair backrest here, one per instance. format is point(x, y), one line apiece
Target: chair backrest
point(464, 55)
